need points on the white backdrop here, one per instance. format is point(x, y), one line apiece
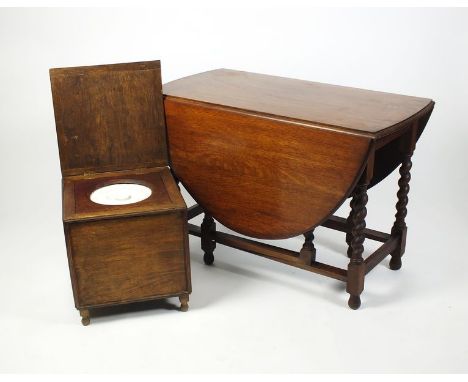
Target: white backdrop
point(247, 314)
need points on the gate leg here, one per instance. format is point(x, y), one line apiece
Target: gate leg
point(208, 243)
point(356, 267)
point(308, 251)
point(399, 227)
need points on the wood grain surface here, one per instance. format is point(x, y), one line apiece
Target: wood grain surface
point(121, 260)
point(111, 129)
point(109, 117)
point(77, 206)
point(261, 177)
point(368, 112)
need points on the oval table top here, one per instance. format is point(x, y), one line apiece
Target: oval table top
point(367, 112)
point(272, 157)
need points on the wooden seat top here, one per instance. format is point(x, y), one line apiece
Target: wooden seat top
point(77, 205)
point(365, 112)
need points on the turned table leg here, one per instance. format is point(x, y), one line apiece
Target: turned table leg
point(399, 227)
point(84, 313)
point(356, 267)
point(349, 221)
point(208, 243)
point(184, 299)
point(308, 251)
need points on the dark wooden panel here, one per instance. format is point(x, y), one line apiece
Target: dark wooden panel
point(109, 117)
point(126, 259)
point(261, 177)
point(338, 106)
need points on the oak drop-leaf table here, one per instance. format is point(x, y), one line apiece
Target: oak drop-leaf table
point(273, 158)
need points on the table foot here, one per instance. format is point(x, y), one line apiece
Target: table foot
point(208, 258)
point(354, 302)
point(395, 263)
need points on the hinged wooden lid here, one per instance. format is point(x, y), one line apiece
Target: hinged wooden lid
point(109, 117)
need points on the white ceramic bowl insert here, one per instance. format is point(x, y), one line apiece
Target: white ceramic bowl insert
point(120, 194)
